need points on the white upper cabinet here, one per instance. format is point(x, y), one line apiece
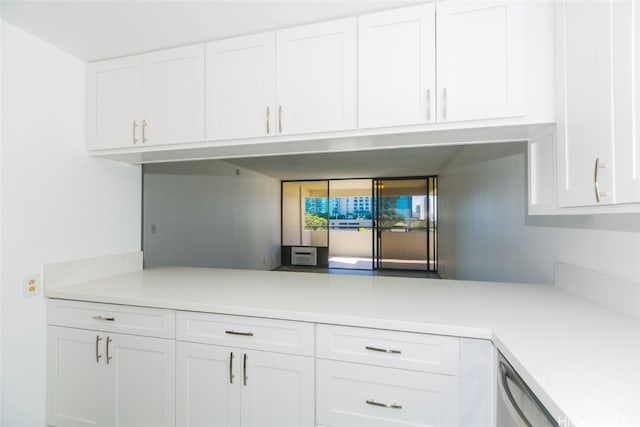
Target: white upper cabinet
point(598, 102)
point(441, 65)
point(585, 126)
point(114, 102)
point(479, 60)
point(240, 92)
point(396, 61)
point(156, 98)
point(174, 95)
point(316, 77)
point(626, 80)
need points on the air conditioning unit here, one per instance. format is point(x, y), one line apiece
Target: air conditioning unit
point(304, 256)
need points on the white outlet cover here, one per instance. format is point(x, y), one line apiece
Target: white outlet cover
point(31, 285)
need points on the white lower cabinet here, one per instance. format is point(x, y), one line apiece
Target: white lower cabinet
point(204, 369)
point(207, 387)
point(351, 394)
point(374, 378)
point(75, 395)
point(244, 371)
point(226, 386)
point(110, 365)
point(279, 391)
point(100, 378)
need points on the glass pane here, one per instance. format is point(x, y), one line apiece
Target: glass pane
point(350, 219)
point(305, 216)
point(403, 223)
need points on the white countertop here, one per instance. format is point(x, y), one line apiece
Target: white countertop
point(581, 360)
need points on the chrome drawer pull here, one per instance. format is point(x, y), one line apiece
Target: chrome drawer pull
point(384, 350)
point(110, 319)
point(232, 332)
point(393, 405)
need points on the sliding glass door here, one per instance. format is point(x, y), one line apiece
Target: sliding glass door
point(363, 224)
point(406, 224)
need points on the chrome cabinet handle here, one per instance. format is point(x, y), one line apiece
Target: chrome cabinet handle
point(231, 356)
point(429, 105)
point(444, 103)
point(384, 350)
point(232, 332)
point(135, 125)
point(596, 183)
point(144, 131)
point(268, 120)
point(280, 118)
point(393, 405)
point(109, 340)
point(244, 370)
point(110, 319)
point(98, 355)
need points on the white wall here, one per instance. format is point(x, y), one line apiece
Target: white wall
point(486, 234)
point(57, 204)
point(207, 215)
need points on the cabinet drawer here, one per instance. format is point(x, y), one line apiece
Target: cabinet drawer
point(350, 394)
point(246, 332)
point(152, 322)
point(405, 350)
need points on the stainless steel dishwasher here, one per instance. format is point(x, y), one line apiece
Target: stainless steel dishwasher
point(517, 405)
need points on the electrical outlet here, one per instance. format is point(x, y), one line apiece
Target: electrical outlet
point(31, 285)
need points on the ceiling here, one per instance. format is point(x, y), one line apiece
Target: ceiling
point(398, 162)
point(93, 30)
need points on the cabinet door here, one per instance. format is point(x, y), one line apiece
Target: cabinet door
point(174, 95)
point(626, 80)
point(316, 77)
point(241, 87)
point(142, 380)
point(75, 378)
point(114, 97)
point(208, 382)
point(396, 63)
point(279, 390)
point(585, 127)
point(479, 59)
point(351, 394)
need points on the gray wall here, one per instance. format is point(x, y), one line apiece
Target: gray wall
point(208, 215)
point(486, 234)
